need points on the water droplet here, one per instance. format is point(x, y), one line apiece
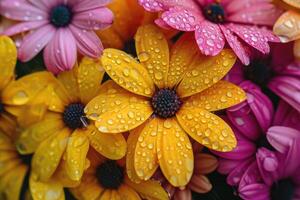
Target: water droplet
point(144, 56)
point(20, 98)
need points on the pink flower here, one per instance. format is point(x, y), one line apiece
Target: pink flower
point(60, 26)
point(278, 178)
point(258, 142)
point(215, 22)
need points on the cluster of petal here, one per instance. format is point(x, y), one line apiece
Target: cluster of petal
point(60, 44)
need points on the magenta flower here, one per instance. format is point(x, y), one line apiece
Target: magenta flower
point(282, 180)
point(60, 26)
point(258, 141)
point(215, 22)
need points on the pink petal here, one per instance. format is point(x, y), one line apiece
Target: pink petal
point(96, 19)
point(251, 35)
point(236, 74)
point(87, 42)
point(209, 38)
point(24, 27)
point(235, 5)
point(242, 52)
point(292, 69)
point(236, 175)
point(183, 19)
point(257, 191)
point(286, 116)
point(159, 5)
point(161, 23)
point(288, 88)
point(43, 4)
point(85, 5)
point(21, 10)
point(34, 42)
point(282, 55)
point(227, 165)
point(60, 54)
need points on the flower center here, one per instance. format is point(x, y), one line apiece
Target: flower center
point(1, 108)
point(283, 190)
point(258, 71)
point(61, 16)
point(263, 142)
point(73, 115)
point(110, 175)
point(214, 12)
point(165, 103)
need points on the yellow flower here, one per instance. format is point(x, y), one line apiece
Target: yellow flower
point(287, 25)
point(129, 15)
point(107, 180)
point(63, 134)
point(13, 170)
point(8, 57)
point(161, 99)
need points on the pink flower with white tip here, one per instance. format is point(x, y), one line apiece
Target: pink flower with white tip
point(60, 27)
point(217, 21)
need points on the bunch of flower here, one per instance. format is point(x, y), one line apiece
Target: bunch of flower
point(149, 99)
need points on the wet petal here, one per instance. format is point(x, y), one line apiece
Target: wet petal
point(5, 142)
point(90, 74)
point(220, 96)
point(153, 52)
point(175, 154)
point(117, 110)
point(42, 190)
point(207, 129)
point(149, 189)
point(205, 72)
point(145, 157)
point(69, 81)
point(182, 55)
point(77, 148)
point(48, 155)
point(287, 27)
point(32, 136)
point(112, 146)
point(127, 72)
point(8, 57)
point(12, 181)
point(126, 192)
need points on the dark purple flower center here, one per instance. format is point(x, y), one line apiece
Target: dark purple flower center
point(214, 12)
point(110, 175)
point(165, 103)
point(1, 108)
point(73, 115)
point(283, 190)
point(61, 16)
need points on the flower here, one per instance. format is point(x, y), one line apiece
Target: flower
point(258, 143)
point(61, 27)
point(163, 97)
point(63, 135)
point(281, 182)
point(14, 170)
point(215, 22)
point(276, 73)
point(287, 25)
point(8, 57)
point(107, 179)
point(204, 164)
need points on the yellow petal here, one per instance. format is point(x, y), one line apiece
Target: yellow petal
point(7, 156)
point(77, 148)
point(11, 183)
point(90, 74)
point(127, 72)
point(127, 193)
point(50, 190)
point(295, 3)
point(175, 153)
point(69, 81)
point(205, 71)
point(31, 137)
point(48, 155)
point(61, 175)
point(145, 157)
point(207, 129)
point(112, 146)
point(89, 189)
point(8, 57)
point(117, 110)
point(5, 142)
point(115, 195)
point(132, 141)
point(150, 189)
point(107, 195)
point(220, 96)
point(153, 52)
point(287, 27)
point(8, 124)
point(182, 54)
point(9, 166)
